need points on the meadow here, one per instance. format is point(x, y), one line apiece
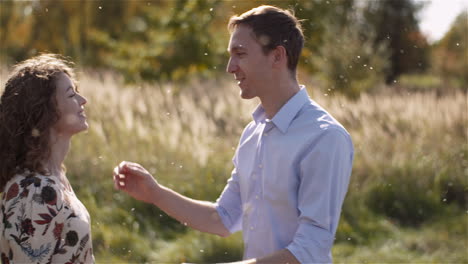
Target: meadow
point(407, 200)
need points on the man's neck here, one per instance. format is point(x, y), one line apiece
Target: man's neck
point(278, 95)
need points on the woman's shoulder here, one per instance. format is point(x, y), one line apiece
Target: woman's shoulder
point(35, 187)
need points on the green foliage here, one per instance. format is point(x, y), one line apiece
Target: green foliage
point(420, 82)
point(165, 40)
point(320, 19)
point(195, 247)
point(166, 44)
point(395, 22)
point(434, 242)
point(404, 198)
point(144, 40)
point(358, 224)
point(351, 64)
point(450, 54)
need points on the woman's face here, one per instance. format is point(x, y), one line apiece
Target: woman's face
point(70, 106)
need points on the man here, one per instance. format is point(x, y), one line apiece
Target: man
point(293, 162)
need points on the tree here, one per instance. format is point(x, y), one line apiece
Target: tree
point(351, 63)
point(395, 21)
point(450, 54)
point(143, 40)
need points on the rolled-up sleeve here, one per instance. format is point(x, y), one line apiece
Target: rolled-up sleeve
point(229, 204)
point(325, 170)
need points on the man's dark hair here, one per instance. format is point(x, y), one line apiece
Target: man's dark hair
point(273, 27)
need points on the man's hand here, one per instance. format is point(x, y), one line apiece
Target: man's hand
point(282, 256)
point(136, 181)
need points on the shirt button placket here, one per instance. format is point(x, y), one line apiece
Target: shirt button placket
point(257, 181)
point(259, 189)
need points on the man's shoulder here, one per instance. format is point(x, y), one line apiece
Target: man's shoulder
point(314, 119)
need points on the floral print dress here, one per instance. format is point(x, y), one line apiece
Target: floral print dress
point(43, 222)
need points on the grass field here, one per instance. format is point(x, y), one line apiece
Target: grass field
point(408, 196)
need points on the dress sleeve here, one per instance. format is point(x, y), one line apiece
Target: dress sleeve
point(76, 239)
point(38, 226)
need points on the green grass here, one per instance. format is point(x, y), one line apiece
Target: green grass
point(420, 82)
point(441, 241)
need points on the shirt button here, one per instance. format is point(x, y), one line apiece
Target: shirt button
point(260, 166)
point(265, 134)
point(256, 197)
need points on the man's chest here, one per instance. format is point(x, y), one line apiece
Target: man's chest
point(268, 164)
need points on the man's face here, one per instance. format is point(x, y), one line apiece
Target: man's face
point(251, 68)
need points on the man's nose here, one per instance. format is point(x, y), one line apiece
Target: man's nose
point(232, 66)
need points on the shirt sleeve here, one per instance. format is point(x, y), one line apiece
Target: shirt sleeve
point(324, 176)
point(39, 229)
point(229, 204)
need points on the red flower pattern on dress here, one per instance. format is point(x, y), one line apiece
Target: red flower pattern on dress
point(27, 227)
point(36, 215)
point(12, 192)
point(5, 259)
point(58, 230)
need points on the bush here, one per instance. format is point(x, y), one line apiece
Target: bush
point(350, 64)
point(404, 197)
point(420, 82)
point(196, 247)
point(358, 224)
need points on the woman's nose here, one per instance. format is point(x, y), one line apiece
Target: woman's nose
point(83, 100)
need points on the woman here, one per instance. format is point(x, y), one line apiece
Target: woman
point(41, 219)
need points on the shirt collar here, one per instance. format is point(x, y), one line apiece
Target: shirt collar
point(286, 114)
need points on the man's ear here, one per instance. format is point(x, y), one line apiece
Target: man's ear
point(280, 56)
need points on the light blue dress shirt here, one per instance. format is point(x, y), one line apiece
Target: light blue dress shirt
point(290, 178)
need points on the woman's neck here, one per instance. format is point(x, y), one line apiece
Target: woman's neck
point(59, 147)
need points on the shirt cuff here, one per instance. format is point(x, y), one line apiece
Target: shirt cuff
point(227, 222)
point(311, 244)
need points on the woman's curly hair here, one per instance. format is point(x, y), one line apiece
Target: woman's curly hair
point(28, 109)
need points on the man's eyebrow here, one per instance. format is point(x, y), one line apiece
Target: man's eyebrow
point(236, 48)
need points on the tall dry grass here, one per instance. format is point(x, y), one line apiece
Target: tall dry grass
point(410, 170)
